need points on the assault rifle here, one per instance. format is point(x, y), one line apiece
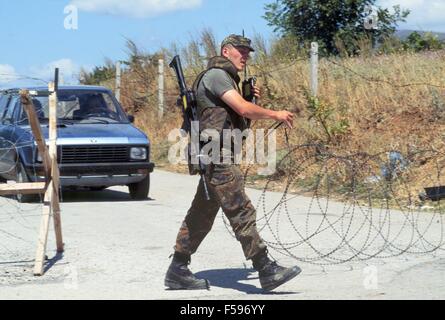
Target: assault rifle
point(190, 114)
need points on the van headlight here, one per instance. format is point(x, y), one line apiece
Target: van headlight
point(138, 153)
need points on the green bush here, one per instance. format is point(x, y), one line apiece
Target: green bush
point(418, 42)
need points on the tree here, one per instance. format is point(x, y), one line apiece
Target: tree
point(327, 21)
point(99, 74)
point(427, 41)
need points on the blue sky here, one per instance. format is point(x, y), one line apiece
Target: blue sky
point(35, 40)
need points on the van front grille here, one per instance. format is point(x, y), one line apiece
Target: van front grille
point(93, 154)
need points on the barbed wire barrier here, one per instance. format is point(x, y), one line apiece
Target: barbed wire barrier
point(20, 224)
point(11, 77)
point(49, 188)
point(326, 208)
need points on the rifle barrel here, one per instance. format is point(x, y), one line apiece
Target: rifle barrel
point(177, 66)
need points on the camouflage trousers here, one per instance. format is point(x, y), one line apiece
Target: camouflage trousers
point(225, 185)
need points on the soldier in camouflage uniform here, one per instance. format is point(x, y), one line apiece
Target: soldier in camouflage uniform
point(221, 106)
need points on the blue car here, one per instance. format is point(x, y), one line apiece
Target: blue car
point(97, 144)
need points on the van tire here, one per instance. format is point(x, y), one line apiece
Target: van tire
point(140, 190)
point(22, 177)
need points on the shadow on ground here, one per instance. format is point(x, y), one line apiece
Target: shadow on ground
point(106, 195)
point(51, 262)
point(89, 196)
point(230, 279)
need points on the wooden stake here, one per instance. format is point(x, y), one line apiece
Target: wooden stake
point(161, 89)
point(118, 81)
point(55, 205)
point(22, 188)
point(54, 168)
point(43, 234)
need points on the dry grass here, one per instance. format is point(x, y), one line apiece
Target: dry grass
point(373, 95)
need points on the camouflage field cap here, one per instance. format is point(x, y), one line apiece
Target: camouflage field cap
point(237, 41)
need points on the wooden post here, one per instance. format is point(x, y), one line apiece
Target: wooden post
point(54, 168)
point(43, 234)
point(161, 88)
point(22, 188)
point(314, 69)
point(52, 121)
point(118, 81)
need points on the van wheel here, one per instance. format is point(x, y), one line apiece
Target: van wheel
point(22, 177)
point(140, 190)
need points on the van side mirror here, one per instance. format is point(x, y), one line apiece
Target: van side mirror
point(130, 118)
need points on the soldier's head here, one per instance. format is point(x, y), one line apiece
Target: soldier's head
point(237, 49)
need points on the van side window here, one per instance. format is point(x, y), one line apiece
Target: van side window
point(8, 118)
point(4, 99)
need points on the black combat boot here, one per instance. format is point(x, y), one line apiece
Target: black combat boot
point(179, 277)
point(271, 274)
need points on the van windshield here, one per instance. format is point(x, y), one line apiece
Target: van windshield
point(79, 106)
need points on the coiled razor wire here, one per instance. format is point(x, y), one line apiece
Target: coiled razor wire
point(325, 208)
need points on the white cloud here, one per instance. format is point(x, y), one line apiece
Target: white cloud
point(425, 14)
point(135, 8)
point(7, 73)
point(67, 68)
point(39, 75)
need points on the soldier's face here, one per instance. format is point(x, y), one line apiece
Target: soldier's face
point(237, 55)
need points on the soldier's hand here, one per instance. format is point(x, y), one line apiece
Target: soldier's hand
point(286, 117)
point(257, 92)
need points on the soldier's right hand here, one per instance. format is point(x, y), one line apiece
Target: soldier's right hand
point(286, 117)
